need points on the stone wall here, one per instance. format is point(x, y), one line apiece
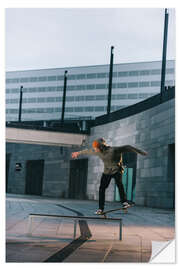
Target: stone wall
point(56, 168)
point(152, 130)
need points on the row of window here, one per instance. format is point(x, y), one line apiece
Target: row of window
point(67, 109)
point(80, 98)
point(89, 87)
point(89, 76)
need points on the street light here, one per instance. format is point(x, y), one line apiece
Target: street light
point(110, 81)
point(20, 103)
point(64, 96)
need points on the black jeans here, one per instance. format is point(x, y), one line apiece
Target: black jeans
point(105, 181)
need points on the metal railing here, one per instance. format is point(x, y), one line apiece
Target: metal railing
point(75, 219)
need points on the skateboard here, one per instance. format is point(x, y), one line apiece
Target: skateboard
point(113, 210)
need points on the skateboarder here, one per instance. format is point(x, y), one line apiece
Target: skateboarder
point(113, 167)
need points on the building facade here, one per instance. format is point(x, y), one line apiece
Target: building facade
point(148, 180)
point(87, 89)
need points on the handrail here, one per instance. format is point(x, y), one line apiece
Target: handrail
point(75, 218)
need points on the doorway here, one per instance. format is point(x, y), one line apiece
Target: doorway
point(78, 179)
point(8, 157)
point(129, 177)
point(34, 177)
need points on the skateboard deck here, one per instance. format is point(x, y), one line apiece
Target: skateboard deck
point(113, 210)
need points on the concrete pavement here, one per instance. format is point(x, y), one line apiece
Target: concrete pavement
point(52, 239)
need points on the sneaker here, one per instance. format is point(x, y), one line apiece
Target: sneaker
point(99, 212)
point(125, 205)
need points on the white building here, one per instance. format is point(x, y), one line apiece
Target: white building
point(87, 89)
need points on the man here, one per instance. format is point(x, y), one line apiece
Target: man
point(113, 167)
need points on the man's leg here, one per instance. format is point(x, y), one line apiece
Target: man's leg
point(105, 181)
point(118, 180)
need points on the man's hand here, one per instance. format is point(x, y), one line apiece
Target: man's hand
point(75, 154)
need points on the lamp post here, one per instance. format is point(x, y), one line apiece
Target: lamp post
point(163, 69)
point(110, 81)
point(20, 103)
point(64, 96)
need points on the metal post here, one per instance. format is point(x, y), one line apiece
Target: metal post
point(64, 96)
point(30, 226)
point(120, 230)
point(20, 104)
point(163, 69)
point(110, 81)
point(75, 225)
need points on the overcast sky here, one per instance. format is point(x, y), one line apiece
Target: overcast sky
point(57, 37)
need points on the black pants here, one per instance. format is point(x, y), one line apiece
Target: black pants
point(105, 181)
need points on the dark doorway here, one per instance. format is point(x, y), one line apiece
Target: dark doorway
point(34, 177)
point(129, 177)
point(8, 157)
point(171, 170)
point(78, 179)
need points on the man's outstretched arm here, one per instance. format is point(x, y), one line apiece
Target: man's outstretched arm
point(83, 152)
point(130, 148)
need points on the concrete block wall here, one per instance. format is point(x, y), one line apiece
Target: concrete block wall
point(152, 130)
point(56, 168)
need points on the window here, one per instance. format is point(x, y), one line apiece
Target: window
point(143, 84)
point(14, 90)
point(70, 98)
point(60, 88)
point(121, 85)
point(51, 88)
point(32, 100)
point(40, 99)
point(155, 83)
point(42, 79)
point(101, 86)
point(143, 95)
point(88, 98)
point(61, 78)
point(132, 84)
point(33, 79)
point(122, 74)
point(121, 96)
point(51, 78)
point(133, 73)
point(144, 72)
point(80, 87)
point(78, 109)
point(15, 80)
point(114, 74)
point(132, 96)
point(80, 76)
point(170, 70)
point(91, 75)
point(101, 75)
point(71, 77)
point(68, 109)
point(155, 71)
point(114, 85)
point(24, 79)
point(99, 108)
point(169, 82)
point(70, 87)
point(101, 97)
point(79, 98)
point(90, 86)
point(89, 109)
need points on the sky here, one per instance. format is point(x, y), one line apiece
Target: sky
point(38, 38)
